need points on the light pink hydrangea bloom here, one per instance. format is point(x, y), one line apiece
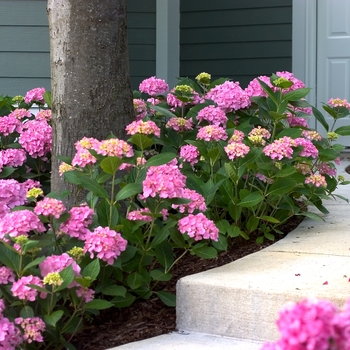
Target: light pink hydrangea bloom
point(254, 88)
point(32, 328)
point(141, 127)
point(309, 149)
point(229, 96)
point(198, 227)
point(140, 214)
point(279, 149)
point(236, 150)
point(338, 102)
point(190, 154)
point(294, 121)
point(316, 180)
point(85, 293)
point(12, 194)
point(115, 148)
point(153, 86)
point(140, 108)
point(10, 336)
point(237, 136)
point(44, 114)
point(197, 202)
point(213, 115)
point(78, 222)
point(326, 169)
point(106, 243)
point(56, 263)
point(37, 138)
point(311, 135)
point(20, 222)
point(20, 289)
point(179, 124)
point(35, 95)
point(50, 207)
point(20, 113)
point(13, 157)
point(212, 133)
point(6, 275)
point(10, 124)
point(87, 143)
point(82, 158)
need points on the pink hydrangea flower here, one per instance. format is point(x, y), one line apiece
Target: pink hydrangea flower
point(279, 149)
point(237, 136)
point(141, 127)
point(311, 135)
point(303, 168)
point(50, 207)
point(153, 86)
point(37, 138)
point(87, 143)
point(297, 121)
point(12, 194)
point(140, 214)
point(78, 222)
point(229, 96)
point(35, 95)
point(164, 180)
point(6, 275)
point(30, 183)
point(56, 263)
point(20, 113)
point(86, 293)
point(44, 114)
point(254, 88)
point(32, 328)
point(325, 168)
point(13, 157)
point(10, 124)
point(197, 202)
point(297, 84)
point(190, 154)
point(20, 289)
point(236, 150)
point(140, 108)
point(213, 115)
point(115, 148)
point(106, 243)
point(211, 133)
point(309, 149)
point(316, 180)
point(179, 124)
point(338, 102)
point(82, 158)
point(20, 222)
point(198, 227)
point(10, 336)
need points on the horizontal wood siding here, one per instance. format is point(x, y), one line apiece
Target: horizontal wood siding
point(24, 46)
point(142, 40)
point(238, 39)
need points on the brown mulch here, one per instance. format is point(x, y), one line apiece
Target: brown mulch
point(150, 318)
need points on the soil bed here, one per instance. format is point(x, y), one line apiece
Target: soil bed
point(149, 318)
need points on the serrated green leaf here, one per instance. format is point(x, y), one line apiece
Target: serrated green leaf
point(93, 186)
point(221, 243)
point(269, 219)
point(98, 304)
point(164, 254)
point(107, 214)
point(159, 275)
point(67, 275)
point(281, 186)
point(129, 190)
point(35, 262)
point(320, 118)
point(110, 165)
point(9, 257)
point(123, 302)
point(160, 159)
point(141, 141)
point(205, 252)
point(134, 280)
point(53, 318)
point(251, 200)
point(311, 215)
point(6, 172)
point(167, 298)
point(296, 94)
point(114, 290)
point(343, 130)
point(163, 111)
point(26, 312)
point(92, 269)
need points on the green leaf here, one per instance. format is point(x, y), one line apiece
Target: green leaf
point(6, 172)
point(35, 262)
point(162, 110)
point(104, 210)
point(221, 243)
point(110, 165)
point(67, 275)
point(141, 141)
point(214, 155)
point(160, 275)
point(205, 252)
point(115, 291)
point(164, 254)
point(94, 187)
point(98, 304)
point(163, 234)
point(320, 118)
point(92, 270)
point(252, 223)
point(9, 257)
point(235, 211)
point(53, 318)
point(286, 172)
point(26, 312)
point(129, 190)
point(343, 130)
point(251, 200)
point(234, 231)
point(47, 98)
point(223, 226)
point(281, 186)
point(296, 94)
point(72, 177)
point(134, 280)
point(312, 216)
point(160, 159)
point(123, 301)
point(167, 298)
point(269, 219)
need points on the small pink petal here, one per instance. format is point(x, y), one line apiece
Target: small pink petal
point(325, 283)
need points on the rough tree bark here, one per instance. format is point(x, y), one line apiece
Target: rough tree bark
point(91, 92)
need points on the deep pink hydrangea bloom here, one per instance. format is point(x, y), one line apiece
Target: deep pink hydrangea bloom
point(13, 157)
point(106, 243)
point(37, 138)
point(179, 124)
point(140, 108)
point(229, 96)
point(211, 133)
point(10, 336)
point(213, 115)
point(12, 194)
point(153, 86)
point(35, 95)
point(164, 180)
point(309, 149)
point(50, 207)
point(6, 275)
point(254, 88)
point(20, 113)
point(10, 124)
point(85, 293)
point(316, 180)
point(198, 227)
point(190, 154)
point(236, 150)
point(20, 222)
point(56, 263)
point(44, 114)
point(326, 169)
point(78, 222)
point(281, 148)
point(20, 289)
point(141, 127)
point(115, 148)
point(32, 328)
point(30, 183)
point(140, 214)
point(197, 202)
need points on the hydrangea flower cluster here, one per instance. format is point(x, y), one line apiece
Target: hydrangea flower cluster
point(22, 291)
point(212, 133)
point(20, 113)
point(140, 108)
point(32, 328)
point(12, 157)
point(35, 95)
point(317, 180)
point(50, 207)
point(12, 194)
point(6, 275)
point(190, 154)
point(337, 102)
point(213, 115)
point(56, 263)
point(153, 86)
point(10, 335)
point(140, 214)
point(180, 124)
point(198, 227)
point(141, 127)
point(197, 202)
point(236, 150)
point(9, 125)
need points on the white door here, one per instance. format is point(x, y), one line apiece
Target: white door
point(333, 56)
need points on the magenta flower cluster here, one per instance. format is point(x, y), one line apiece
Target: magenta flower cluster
point(153, 86)
point(198, 227)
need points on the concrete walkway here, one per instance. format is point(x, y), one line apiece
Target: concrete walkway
point(235, 306)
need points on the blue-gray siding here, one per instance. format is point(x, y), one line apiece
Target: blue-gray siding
point(238, 39)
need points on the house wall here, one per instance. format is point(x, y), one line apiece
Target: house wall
point(239, 39)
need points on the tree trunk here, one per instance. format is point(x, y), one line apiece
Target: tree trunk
point(91, 92)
